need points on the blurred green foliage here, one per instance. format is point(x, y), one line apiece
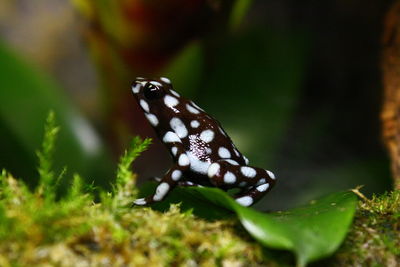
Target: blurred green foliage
point(26, 96)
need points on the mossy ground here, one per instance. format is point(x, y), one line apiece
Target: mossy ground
point(374, 238)
point(39, 228)
point(81, 233)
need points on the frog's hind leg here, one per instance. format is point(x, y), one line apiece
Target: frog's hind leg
point(252, 195)
point(255, 182)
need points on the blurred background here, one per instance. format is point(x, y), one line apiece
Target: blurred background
point(296, 84)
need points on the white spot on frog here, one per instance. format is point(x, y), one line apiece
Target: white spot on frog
point(207, 136)
point(174, 93)
point(248, 172)
point(170, 101)
point(178, 127)
point(140, 202)
point(245, 201)
point(156, 83)
point(229, 178)
point(174, 150)
point(135, 88)
point(171, 137)
point(271, 174)
point(161, 191)
point(195, 123)
point(224, 153)
point(166, 80)
point(144, 105)
point(213, 169)
point(183, 160)
point(152, 119)
point(263, 187)
point(176, 175)
point(191, 109)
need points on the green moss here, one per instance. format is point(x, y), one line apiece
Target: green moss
point(38, 228)
point(374, 239)
point(81, 233)
point(74, 231)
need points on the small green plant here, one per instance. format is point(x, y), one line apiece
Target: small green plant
point(47, 183)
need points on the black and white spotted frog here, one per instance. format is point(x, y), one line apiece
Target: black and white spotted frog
point(202, 152)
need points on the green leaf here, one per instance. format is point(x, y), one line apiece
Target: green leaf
point(27, 95)
point(311, 232)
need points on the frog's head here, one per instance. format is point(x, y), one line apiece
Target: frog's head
point(155, 97)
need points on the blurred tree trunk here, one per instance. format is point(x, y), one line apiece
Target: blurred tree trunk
point(391, 81)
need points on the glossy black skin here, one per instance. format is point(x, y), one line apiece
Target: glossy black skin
point(176, 115)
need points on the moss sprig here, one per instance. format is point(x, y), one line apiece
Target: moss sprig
point(45, 157)
point(124, 172)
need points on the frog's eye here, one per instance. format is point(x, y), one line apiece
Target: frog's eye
point(152, 91)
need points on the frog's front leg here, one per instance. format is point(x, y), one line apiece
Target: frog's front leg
point(167, 183)
point(173, 175)
point(255, 182)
